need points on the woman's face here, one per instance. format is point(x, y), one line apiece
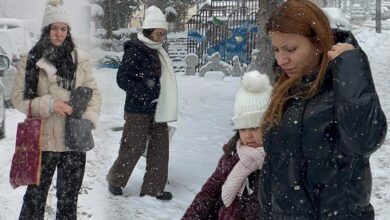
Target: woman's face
point(296, 54)
point(251, 137)
point(158, 34)
point(58, 32)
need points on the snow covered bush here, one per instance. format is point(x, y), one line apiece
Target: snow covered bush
point(111, 50)
point(109, 59)
point(100, 33)
point(119, 38)
point(125, 33)
point(170, 14)
point(215, 64)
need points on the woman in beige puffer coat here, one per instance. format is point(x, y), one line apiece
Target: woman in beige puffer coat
point(45, 79)
point(54, 124)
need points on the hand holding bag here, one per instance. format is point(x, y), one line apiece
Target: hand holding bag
point(26, 162)
point(78, 131)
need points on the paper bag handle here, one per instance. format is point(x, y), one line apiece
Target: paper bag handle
point(29, 115)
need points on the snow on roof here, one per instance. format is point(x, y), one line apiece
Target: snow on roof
point(228, 3)
point(181, 34)
point(170, 9)
point(204, 4)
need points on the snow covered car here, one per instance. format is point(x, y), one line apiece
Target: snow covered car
point(8, 76)
point(8, 46)
point(358, 13)
point(4, 65)
point(337, 18)
point(385, 13)
point(19, 33)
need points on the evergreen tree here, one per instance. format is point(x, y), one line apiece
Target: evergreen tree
point(117, 13)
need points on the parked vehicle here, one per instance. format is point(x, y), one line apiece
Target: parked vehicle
point(358, 12)
point(337, 18)
point(9, 47)
point(4, 65)
point(8, 77)
point(386, 3)
point(385, 13)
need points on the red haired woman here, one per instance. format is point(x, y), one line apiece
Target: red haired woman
point(323, 122)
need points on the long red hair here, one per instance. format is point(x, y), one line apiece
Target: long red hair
point(305, 18)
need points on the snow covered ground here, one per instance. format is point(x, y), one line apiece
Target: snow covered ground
point(205, 109)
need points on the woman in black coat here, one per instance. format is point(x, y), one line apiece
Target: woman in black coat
point(146, 75)
point(323, 122)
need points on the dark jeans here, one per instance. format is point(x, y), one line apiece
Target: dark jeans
point(70, 172)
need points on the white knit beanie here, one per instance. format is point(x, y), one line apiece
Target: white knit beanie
point(154, 18)
point(54, 12)
point(251, 100)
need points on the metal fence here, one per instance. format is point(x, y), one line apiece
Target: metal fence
point(215, 24)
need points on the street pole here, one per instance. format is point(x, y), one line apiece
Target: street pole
point(345, 6)
point(378, 16)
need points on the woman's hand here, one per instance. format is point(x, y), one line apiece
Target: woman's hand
point(338, 49)
point(62, 108)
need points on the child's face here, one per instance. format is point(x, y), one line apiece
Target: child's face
point(251, 137)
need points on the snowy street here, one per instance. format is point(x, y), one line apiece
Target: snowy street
point(204, 125)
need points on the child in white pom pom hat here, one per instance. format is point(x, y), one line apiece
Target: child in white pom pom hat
point(231, 191)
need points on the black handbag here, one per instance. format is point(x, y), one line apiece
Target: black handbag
point(78, 131)
point(78, 134)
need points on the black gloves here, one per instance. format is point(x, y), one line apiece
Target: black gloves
point(79, 100)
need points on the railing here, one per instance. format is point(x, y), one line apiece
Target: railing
point(213, 25)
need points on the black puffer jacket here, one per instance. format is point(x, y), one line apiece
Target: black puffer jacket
point(317, 163)
point(139, 75)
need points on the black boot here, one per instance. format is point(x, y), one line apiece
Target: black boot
point(165, 196)
point(115, 190)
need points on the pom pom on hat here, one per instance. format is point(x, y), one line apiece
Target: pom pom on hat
point(54, 12)
point(154, 18)
point(255, 82)
point(251, 100)
point(54, 2)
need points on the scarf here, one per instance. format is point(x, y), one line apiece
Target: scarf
point(166, 110)
point(60, 57)
point(251, 159)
